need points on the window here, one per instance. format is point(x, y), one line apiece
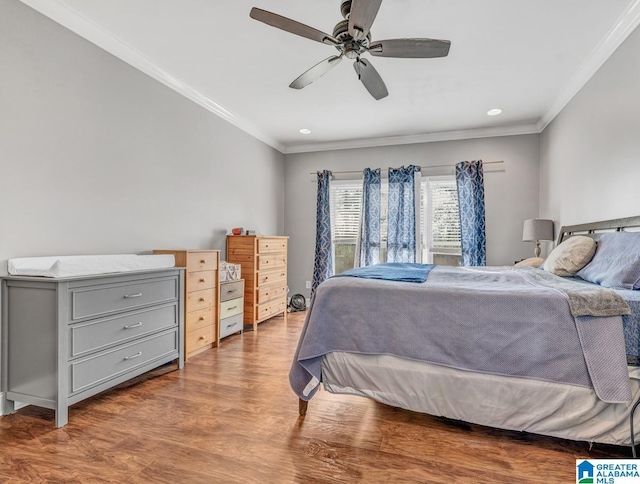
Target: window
point(439, 221)
point(346, 204)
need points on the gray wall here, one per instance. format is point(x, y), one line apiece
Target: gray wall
point(97, 157)
point(511, 191)
point(590, 154)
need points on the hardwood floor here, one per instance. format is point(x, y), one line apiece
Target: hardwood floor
point(230, 417)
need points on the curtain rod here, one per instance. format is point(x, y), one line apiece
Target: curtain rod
point(422, 167)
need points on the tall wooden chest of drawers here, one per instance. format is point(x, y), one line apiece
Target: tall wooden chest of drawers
point(65, 339)
point(201, 297)
point(264, 270)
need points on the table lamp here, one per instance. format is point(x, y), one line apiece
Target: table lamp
point(535, 230)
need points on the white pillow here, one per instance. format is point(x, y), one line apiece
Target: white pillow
point(570, 256)
point(531, 262)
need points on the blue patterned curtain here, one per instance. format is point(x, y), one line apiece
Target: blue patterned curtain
point(368, 246)
point(323, 262)
point(470, 182)
point(401, 226)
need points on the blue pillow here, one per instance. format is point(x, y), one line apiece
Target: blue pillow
point(616, 262)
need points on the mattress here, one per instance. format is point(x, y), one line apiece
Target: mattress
point(506, 402)
point(82, 265)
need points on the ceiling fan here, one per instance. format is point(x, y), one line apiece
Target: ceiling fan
point(352, 38)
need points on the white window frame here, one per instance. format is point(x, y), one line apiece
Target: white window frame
point(337, 185)
point(428, 250)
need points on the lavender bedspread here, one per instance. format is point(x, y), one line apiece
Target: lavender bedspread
point(493, 320)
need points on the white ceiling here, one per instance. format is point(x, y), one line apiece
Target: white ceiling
point(526, 57)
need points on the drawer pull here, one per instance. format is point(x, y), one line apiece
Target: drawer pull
point(202, 280)
point(231, 325)
point(130, 296)
point(232, 307)
point(201, 338)
point(203, 261)
point(201, 318)
point(130, 326)
point(231, 291)
point(202, 299)
point(138, 354)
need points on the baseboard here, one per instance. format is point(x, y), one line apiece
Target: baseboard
point(17, 405)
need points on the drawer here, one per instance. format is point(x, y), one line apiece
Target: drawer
point(271, 261)
point(231, 290)
point(272, 245)
point(110, 364)
point(265, 311)
point(200, 318)
point(271, 278)
point(268, 293)
point(231, 325)
point(101, 300)
point(202, 261)
point(231, 307)
point(197, 281)
point(201, 299)
point(199, 338)
point(98, 334)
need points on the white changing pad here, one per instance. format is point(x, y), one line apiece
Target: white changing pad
point(82, 265)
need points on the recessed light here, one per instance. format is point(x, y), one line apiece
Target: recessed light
point(494, 112)
point(305, 131)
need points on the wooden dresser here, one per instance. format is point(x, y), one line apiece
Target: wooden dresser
point(264, 270)
point(66, 339)
point(201, 297)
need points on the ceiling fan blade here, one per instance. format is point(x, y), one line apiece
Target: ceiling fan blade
point(363, 13)
point(410, 48)
point(371, 79)
point(292, 26)
point(316, 72)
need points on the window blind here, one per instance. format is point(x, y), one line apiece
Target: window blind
point(346, 204)
point(443, 214)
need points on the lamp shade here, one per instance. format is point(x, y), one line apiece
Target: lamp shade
point(537, 229)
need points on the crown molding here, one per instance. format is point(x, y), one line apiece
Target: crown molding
point(513, 130)
point(77, 23)
point(626, 24)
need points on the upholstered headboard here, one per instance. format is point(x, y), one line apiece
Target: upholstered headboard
point(596, 229)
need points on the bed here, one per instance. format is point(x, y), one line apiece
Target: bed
point(511, 348)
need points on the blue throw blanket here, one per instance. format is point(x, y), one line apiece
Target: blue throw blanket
point(391, 271)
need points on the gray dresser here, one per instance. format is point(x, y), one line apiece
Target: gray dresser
point(231, 308)
point(66, 339)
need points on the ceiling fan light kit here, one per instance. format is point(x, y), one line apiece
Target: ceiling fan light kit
point(352, 38)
